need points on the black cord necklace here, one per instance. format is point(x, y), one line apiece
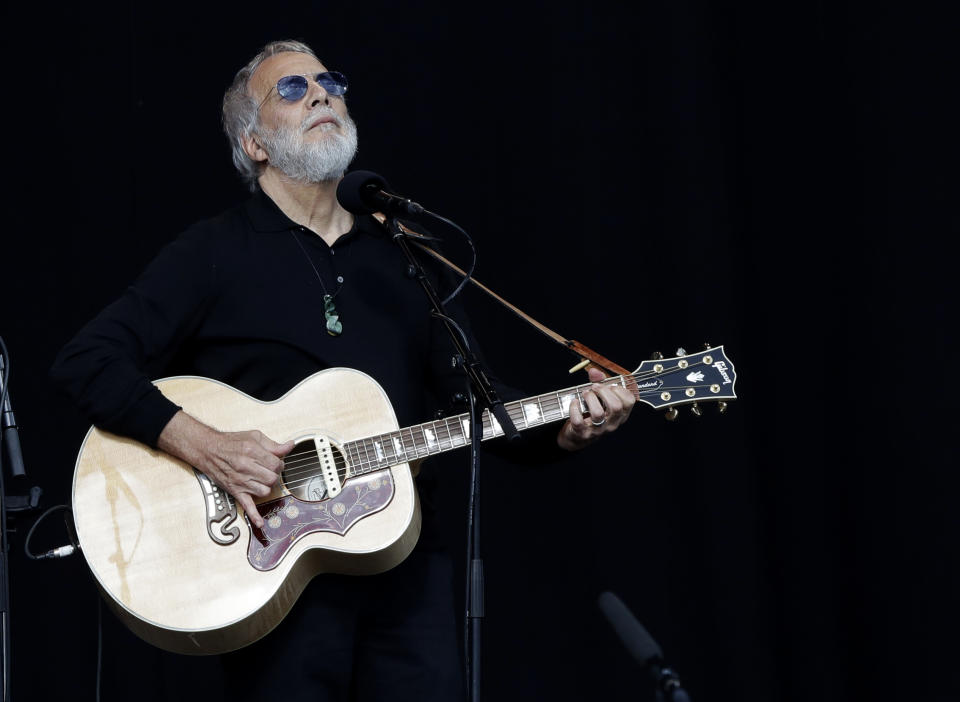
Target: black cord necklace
point(330, 314)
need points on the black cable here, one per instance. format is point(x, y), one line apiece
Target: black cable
point(53, 553)
point(473, 254)
point(6, 672)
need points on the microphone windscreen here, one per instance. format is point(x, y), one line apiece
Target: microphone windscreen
point(631, 632)
point(352, 191)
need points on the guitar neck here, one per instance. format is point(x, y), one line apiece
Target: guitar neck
point(422, 440)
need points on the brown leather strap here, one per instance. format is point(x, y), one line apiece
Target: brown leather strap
point(589, 356)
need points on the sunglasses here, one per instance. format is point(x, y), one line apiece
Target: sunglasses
point(293, 88)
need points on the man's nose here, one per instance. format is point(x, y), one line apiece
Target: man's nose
point(317, 94)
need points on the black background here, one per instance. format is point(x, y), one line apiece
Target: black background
point(780, 178)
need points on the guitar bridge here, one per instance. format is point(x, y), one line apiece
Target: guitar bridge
point(221, 511)
point(328, 465)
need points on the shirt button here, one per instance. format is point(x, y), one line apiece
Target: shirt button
point(339, 278)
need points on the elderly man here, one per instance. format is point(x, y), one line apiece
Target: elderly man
point(236, 298)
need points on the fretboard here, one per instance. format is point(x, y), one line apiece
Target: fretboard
point(421, 440)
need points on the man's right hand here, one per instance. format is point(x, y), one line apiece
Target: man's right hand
point(244, 463)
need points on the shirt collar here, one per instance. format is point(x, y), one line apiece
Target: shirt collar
point(266, 217)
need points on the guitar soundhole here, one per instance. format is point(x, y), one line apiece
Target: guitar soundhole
point(303, 473)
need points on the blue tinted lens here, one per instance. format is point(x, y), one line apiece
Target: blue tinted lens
point(292, 87)
point(333, 82)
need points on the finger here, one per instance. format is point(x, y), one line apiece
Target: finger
point(275, 448)
point(255, 487)
point(595, 374)
point(610, 399)
point(245, 501)
point(594, 406)
point(626, 397)
point(259, 473)
point(260, 455)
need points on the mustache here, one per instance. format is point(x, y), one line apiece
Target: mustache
point(321, 112)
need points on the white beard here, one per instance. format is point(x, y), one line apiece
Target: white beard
point(318, 161)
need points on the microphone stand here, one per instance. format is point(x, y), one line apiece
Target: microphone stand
point(488, 398)
point(9, 447)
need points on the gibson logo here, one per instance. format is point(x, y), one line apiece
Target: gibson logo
point(722, 370)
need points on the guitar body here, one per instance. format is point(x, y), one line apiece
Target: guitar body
point(189, 576)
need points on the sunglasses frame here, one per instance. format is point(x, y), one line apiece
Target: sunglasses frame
point(335, 79)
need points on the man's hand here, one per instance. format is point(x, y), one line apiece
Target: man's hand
point(244, 463)
point(609, 407)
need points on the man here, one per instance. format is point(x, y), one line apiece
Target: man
point(237, 298)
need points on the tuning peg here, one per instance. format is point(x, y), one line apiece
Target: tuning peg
point(681, 351)
point(671, 414)
point(657, 356)
point(722, 407)
point(707, 346)
point(695, 409)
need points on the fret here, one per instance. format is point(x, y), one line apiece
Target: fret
point(550, 404)
point(558, 407)
point(398, 450)
point(456, 434)
point(532, 413)
point(430, 436)
point(419, 441)
point(410, 445)
point(386, 447)
point(543, 417)
point(366, 455)
point(356, 458)
point(446, 430)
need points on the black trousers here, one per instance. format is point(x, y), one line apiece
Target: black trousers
point(391, 636)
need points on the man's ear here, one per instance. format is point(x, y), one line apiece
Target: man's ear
point(251, 144)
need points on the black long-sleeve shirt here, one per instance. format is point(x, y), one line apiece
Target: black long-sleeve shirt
point(235, 298)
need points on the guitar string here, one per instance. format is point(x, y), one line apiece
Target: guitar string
point(516, 409)
point(364, 466)
point(453, 440)
point(438, 427)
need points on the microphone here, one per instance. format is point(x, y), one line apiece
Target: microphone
point(8, 425)
point(365, 192)
point(641, 646)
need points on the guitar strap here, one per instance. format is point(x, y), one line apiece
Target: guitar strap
point(588, 357)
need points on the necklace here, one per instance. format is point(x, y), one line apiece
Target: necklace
point(330, 314)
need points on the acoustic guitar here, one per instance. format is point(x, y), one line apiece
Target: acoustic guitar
point(186, 570)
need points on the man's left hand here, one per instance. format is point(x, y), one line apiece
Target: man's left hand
point(608, 405)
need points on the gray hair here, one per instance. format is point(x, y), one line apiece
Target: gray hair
point(240, 114)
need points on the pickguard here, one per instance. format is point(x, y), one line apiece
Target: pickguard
point(287, 519)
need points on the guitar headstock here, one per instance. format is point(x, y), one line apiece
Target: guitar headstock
point(685, 379)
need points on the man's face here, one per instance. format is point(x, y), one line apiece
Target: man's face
point(311, 139)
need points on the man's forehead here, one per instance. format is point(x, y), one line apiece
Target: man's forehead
point(275, 67)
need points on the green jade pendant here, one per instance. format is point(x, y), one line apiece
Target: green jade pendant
point(334, 327)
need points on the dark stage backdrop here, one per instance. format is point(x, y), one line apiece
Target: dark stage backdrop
point(777, 177)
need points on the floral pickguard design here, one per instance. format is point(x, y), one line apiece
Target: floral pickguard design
point(287, 518)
